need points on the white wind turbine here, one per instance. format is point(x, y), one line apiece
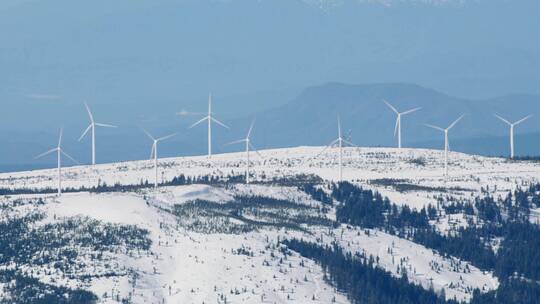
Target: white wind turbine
point(59, 151)
point(340, 142)
point(512, 125)
point(154, 153)
point(92, 127)
point(397, 129)
point(209, 118)
point(446, 143)
point(247, 141)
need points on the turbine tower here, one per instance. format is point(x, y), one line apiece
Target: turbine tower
point(92, 127)
point(209, 118)
point(397, 129)
point(59, 152)
point(512, 125)
point(154, 153)
point(247, 141)
point(446, 143)
point(340, 142)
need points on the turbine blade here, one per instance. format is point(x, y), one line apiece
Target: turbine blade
point(333, 143)
point(322, 151)
point(106, 125)
point(153, 150)
point(89, 112)
point(60, 138)
point(255, 150)
point(85, 131)
point(398, 121)
point(455, 122)
point(166, 137)
point(219, 123)
point(434, 127)
point(198, 122)
point(522, 120)
point(339, 125)
point(504, 120)
point(235, 142)
point(411, 111)
point(210, 104)
point(186, 113)
point(68, 156)
point(46, 153)
point(349, 143)
point(250, 128)
point(319, 154)
point(390, 106)
point(148, 134)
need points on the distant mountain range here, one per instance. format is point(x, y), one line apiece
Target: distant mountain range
point(311, 119)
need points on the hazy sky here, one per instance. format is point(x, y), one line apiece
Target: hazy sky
point(140, 61)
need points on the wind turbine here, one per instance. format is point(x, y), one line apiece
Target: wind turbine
point(247, 141)
point(92, 127)
point(154, 153)
point(209, 118)
point(446, 143)
point(59, 151)
point(512, 125)
point(341, 142)
point(397, 129)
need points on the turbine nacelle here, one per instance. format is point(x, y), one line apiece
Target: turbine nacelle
point(512, 125)
point(453, 124)
point(154, 152)
point(247, 141)
point(446, 141)
point(209, 118)
point(339, 142)
point(59, 152)
point(58, 149)
point(397, 128)
point(92, 127)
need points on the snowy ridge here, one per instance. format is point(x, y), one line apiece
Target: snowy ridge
point(184, 265)
point(468, 174)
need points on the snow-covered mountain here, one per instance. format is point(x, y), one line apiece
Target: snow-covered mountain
point(205, 236)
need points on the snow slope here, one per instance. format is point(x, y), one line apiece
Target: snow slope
point(191, 267)
point(184, 266)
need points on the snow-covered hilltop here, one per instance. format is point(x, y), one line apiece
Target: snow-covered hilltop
point(219, 240)
point(387, 170)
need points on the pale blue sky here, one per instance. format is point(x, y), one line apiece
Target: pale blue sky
point(139, 62)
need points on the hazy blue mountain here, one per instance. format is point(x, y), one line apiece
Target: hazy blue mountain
point(311, 117)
